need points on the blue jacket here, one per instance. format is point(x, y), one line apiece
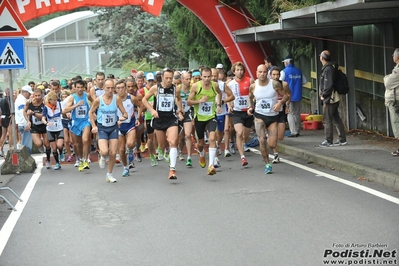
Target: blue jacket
point(293, 76)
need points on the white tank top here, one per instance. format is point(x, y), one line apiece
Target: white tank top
point(266, 97)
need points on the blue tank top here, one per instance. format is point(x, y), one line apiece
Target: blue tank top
point(107, 114)
point(81, 113)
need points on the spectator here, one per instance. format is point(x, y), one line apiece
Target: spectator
point(391, 83)
point(295, 79)
point(330, 100)
point(20, 121)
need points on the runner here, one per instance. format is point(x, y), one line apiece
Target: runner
point(265, 91)
point(165, 120)
point(51, 117)
point(223, 118)
point(107, 127)
point(203, 96)
point(274, 73)
point(33, 114)
point(151, 140)
point(79, 107)
point(66, 123)
point(127, 128)
point(241, 120)
point(187, 122)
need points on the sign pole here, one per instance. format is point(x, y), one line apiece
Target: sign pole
point(12, 111)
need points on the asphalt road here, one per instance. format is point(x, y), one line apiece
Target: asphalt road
point(240, 216)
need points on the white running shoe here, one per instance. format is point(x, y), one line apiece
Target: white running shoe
point(110, 179)
point(181, 157)
point(101, 162)
point(227, 153)
point(48, 165)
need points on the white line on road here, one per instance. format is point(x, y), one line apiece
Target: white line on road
point(337, 179)
point(12, 220)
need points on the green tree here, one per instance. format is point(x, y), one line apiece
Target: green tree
point(133, 35)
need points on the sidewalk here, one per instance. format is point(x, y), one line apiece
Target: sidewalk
point(361, 157)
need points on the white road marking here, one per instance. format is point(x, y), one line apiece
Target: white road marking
point(12, 220)
point(337, 179)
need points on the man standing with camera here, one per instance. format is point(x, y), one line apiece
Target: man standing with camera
point(391, 83)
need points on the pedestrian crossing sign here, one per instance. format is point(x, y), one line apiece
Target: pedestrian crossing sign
point(12, 53)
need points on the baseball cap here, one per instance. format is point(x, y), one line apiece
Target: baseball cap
point(219, 66)
point(64, 83)
point(149, 76)
point(27, 88)
point(288, 58)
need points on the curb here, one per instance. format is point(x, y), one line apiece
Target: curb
point(377, 176)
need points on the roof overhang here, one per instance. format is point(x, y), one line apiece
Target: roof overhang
point(327, 19)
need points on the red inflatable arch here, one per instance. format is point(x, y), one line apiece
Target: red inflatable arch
point(222, 21)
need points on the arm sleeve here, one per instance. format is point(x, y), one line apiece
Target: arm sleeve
point(304, 80)
point(328, 78)
point(44, 114)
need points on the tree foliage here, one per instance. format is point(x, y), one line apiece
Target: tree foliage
point(194, 38)
point(133, 35)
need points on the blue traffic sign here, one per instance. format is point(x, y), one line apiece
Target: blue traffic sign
point(12, 53)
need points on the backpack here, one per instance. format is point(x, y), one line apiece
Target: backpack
point(340, 82)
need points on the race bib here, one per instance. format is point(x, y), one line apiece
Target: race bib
point(81, 111)
point(263, 106)
point(108, 120)
point(54, 124)
point(205, 108)
point(36, 121)
point(241, 102)
point(166, 103)
point(185, 106)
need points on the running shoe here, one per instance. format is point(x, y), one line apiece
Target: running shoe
point(69, 158)
point(227, 153)
point(110, 179)
point(125, 172)
point(211, 170)
point(142, 147)
point(232, 148)
point(86, 165)
point(57, 166)
point(246, 148)
point(276, 158)
point(138, 157)
point(62, 157)
point(340, 143)
point(202, 162)
point(188, 162)
point(131, 165)
point(268, 169)
point(101, 162)
point(154, 161)
point(219, 151)
point(181, 157)
point(166, 157)
point(77, 163)
point(48, 165)
point(130, 157)
point(172, 174)
point(216, 162)
point(118, 159)
point(244, 161)
point(160, 154)
point(88, 159)
point(81, 166)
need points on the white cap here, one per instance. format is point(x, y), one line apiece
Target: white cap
point(219, 66)
point(149, 76)
point(27, 88)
